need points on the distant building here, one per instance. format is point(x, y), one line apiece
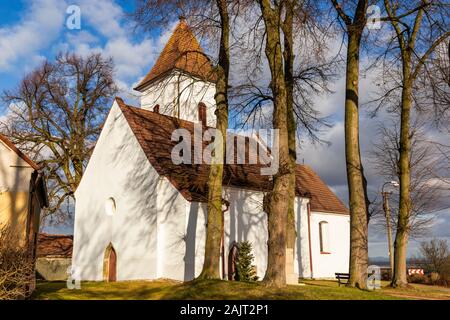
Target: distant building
point(54, 256)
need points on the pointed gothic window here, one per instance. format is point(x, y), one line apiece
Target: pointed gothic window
point(110, 206)
point(202, 113)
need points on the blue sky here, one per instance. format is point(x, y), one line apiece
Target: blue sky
point(34, 30)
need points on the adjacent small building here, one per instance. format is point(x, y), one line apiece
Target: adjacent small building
point(23, 194)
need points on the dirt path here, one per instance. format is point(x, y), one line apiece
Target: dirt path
point(416, 297)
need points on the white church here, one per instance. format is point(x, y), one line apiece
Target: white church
point(139, 216)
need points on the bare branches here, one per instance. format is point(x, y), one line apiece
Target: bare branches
point(436, 255)
point(427, 166)
point(16, 267)
point(56, 114)
point(342, 14)
point(420, 59)
point(312, 68)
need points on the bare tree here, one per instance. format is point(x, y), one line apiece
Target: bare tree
point(56, 115)
point(16, 267)
point(353, 16)
point(436, 255)
point(277, 201)
point(307, 72)
point(427, 165)
point(298, 17)
point(420, 27)
point(214, 232)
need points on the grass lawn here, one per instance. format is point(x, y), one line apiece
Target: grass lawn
point(216, 289)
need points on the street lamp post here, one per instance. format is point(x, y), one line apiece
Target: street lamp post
point(387, 214)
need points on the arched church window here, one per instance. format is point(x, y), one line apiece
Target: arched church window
point(110, 206)
point(324, 237)
point(202, 113)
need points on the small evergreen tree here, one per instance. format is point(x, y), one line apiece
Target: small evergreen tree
point(245, 270)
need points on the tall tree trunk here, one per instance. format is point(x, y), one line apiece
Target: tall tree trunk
point(355, 173)
point(211, 264)
point(291, 120)
point(401, 238)
point(278, 199)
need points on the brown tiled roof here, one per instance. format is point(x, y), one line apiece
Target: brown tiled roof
point(154, 131)
point(322, 198)
point(182, 52)
point(54, 245)
point(18, 152)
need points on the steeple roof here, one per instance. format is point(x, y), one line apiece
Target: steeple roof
point(182, 52)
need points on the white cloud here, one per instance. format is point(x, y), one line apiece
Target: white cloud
point(103, 15)
point(38, 28)
point(104, 29)
point(132, 59)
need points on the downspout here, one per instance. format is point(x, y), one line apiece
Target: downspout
point(309, 240)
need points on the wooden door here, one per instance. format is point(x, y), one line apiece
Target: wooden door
point(112, 266)
point(232, 256)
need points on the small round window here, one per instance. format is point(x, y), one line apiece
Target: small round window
point(110, 207)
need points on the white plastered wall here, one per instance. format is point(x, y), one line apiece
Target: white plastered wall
point(177, 89)
point(118, 168)
point(172, 233)
point(15, 173)
point(183, 253)
point(325, 265)
point(245, 220)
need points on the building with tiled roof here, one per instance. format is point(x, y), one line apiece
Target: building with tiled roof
point(54, 256)
point(23, 194)
point(141, 205)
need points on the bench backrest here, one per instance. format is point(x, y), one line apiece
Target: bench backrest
point(342, 275)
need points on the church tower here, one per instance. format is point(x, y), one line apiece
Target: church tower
point(181, 84)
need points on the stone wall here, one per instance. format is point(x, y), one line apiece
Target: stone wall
point(53, 269)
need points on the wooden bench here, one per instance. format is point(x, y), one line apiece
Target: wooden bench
point(342, 276)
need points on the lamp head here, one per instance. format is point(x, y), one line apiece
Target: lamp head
point(395, 184)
